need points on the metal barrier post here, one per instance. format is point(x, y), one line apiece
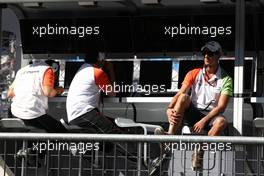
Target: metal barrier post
point(80, 165)
point(139, 159)
point(23, 159)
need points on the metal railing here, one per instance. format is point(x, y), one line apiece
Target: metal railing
point(29, 154)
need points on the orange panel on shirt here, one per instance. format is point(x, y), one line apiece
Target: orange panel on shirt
point(101, 78)
point(48, 78)
point(190, 77)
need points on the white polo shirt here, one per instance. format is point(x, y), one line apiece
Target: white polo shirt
point(205, 93)
point(29, 101)
point(84, 91)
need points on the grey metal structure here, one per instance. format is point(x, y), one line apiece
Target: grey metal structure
point(131, 138)
point(239, 63)
point(222, 155)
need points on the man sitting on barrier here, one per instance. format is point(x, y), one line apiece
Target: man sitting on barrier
point(84, 95)
point(82, 103)
point(30, 90)
point(210, 88)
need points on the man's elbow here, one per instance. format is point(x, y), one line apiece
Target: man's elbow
point(48, 91)
point(10, 93)
point(221, 108)
point(47, 94)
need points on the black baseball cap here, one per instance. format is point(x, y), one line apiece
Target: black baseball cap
point(212, 46)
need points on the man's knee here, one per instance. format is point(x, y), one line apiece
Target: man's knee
point(220, 122)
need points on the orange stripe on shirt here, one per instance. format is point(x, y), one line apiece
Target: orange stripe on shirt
point(101, 78)
point(191, 76)
point(48, 78)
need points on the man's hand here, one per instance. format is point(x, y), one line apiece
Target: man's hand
point(59, 90)
point(173, 117)
point(10, 93)
point(51, 92)
point(199, 126)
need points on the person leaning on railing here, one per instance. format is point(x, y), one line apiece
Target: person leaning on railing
point(30, 90)
point(96, 75)
point(82, 103)
point(210, 88)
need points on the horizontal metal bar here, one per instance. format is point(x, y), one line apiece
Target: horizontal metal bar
point(257, 99)
point(132, 138)
point(30, 1)
point(123, 99)
point(147, 99)
point(259, 122)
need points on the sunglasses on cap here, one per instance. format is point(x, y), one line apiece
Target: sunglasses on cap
point(209, 53)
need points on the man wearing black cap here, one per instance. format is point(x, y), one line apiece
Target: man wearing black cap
point(210, 89)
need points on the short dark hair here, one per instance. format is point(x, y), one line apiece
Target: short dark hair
point(91, 56)
point(50, 62)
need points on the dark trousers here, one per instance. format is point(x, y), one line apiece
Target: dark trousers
point(45, 122)
point(105, 125)
point(100, 123)
point(193, 115)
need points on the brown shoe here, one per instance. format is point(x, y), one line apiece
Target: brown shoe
point(197, 160)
